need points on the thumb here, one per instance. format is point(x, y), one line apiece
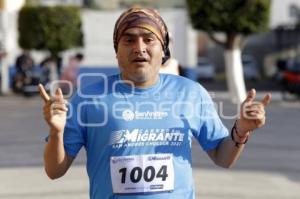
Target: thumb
point(251, 95)
point(266, 100)
point(59, 93)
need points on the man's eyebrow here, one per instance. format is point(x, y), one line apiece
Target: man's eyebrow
point(128, 34)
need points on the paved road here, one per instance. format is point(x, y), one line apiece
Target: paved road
point(268, 168)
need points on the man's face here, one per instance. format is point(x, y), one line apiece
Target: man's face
point(139, 56)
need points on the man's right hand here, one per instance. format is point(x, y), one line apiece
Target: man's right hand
point(55, 110)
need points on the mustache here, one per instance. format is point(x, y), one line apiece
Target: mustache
point(139, 58)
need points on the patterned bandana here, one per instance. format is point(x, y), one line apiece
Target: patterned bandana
point(145, 18)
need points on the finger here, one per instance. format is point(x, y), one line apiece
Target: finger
point(251, 95)
point(250, 115)
point(62, 107)
point(56, 99)
point(59, 93)
point(256, 116)
point(266, 100)
point(255, 113)
point(43, 93)
point(58, 112)
point(255, 106)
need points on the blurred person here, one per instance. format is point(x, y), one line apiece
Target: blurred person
point(70, 73)
point(47, 66)
point(24, 71)
point(171, 66)
point(53, 65)
point(137, 126)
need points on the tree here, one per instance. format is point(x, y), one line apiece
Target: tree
point(236, 19)
point(54, 29)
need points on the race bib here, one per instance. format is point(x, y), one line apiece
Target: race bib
point(142, 173)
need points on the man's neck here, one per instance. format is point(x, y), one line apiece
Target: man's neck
point(142, 84)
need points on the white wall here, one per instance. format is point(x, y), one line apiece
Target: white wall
point(98, 35)
point(98, 30)
point(280, 12)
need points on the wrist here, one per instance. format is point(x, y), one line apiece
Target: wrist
point(241, 131)
point(54, 133)
point(237, 138)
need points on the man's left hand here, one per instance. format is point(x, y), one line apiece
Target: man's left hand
point(252, 114)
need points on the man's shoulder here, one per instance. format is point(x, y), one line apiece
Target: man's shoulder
point(180, 81)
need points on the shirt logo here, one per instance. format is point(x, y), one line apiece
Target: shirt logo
point(146, 137)
point(129, 115)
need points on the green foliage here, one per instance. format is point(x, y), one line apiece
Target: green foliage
point(90, 4)
point(31, 2)
point(50, 28)
point(230, 16)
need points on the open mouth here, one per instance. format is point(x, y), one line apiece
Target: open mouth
point(140, 60)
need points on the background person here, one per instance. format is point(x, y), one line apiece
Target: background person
point(70, 73)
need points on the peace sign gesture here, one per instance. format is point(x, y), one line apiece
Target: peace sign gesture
point(55, 109)
point(252, 114)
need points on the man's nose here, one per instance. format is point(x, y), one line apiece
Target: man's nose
point(139, 46)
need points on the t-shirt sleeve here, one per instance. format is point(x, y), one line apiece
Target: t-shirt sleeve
point(212, 131)
point(74, 133)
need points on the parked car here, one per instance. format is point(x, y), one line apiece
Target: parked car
point(250, 67)
point(205, 69)
point(288, 76)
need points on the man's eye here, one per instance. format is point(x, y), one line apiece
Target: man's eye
point(148, 40)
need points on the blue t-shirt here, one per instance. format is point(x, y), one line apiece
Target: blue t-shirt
point(134, 137)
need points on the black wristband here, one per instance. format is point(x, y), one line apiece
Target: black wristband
point(237, 144)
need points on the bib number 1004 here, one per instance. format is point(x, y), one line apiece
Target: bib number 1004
point(148, 174)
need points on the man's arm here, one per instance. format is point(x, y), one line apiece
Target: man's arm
point(226, 154)
point(252, 116)
point(56, 161)
point(228, 151)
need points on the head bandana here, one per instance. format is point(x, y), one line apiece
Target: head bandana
point(143, 18)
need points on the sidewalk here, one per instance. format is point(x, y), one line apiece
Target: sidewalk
point(32, 183)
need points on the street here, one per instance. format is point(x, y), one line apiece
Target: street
point(268, 168)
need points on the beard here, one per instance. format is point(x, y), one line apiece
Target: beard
point(140, 75)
